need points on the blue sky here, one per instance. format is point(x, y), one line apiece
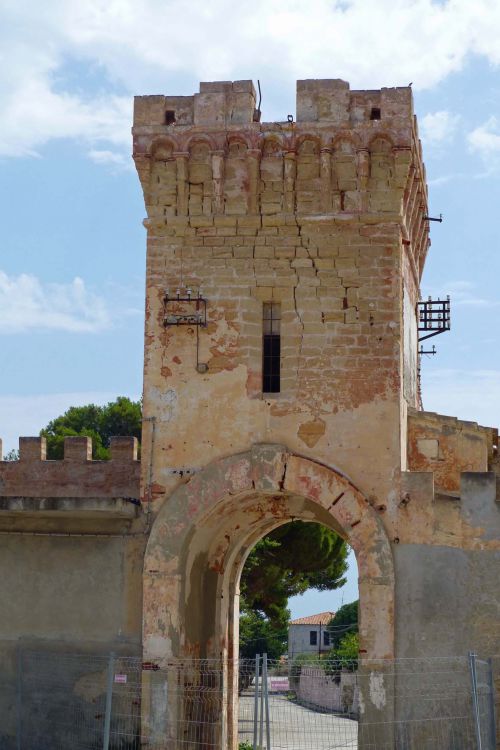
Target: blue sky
point(73, 246)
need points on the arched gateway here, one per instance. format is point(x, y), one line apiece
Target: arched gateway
point(199, 543)
point(204, 531)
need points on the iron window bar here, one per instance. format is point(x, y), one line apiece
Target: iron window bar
point(271, 350)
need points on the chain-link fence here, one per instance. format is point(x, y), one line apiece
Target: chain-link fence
point(57, 701)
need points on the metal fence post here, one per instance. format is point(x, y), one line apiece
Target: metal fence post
point(493, 718)
point(256, 701)
point(266, 701)
point(19, 697)
point(109, 701)
point(261, 719)
point(475, 700)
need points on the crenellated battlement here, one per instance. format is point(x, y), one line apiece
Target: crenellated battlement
point(225, 103)
point(76, 476)
point(206, 161)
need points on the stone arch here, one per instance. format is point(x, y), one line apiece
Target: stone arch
point(205, 529)
point(198, 139)
point(381, 143)
point(272, 146)
point(161, 148)
point(346, 141)
point(237, 140)
point(308, 143)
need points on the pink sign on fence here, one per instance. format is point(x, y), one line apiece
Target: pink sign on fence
point(279, 684)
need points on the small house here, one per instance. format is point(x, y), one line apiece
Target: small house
point(309, 635)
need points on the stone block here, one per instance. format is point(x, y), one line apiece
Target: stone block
point(77, 449)
point(210, 108)
point(323, 100)
point(32, 449)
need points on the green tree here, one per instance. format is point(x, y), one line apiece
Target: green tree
point(258, 636)
point(120, 417)
point(288, 561)
point(348, 648)
point(12, 455)
point(344, 622)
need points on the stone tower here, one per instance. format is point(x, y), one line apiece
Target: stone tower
point(283, 270)
point(319, 222)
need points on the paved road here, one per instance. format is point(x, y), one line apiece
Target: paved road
point(295, 727)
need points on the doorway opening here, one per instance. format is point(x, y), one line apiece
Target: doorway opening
point(298, 674)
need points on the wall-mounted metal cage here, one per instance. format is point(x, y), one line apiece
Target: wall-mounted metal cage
point(185, 309)
point(434, 317)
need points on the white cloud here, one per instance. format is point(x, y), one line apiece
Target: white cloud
point(28, 304)
point(468, 394)
point(463, 294)
point(445, 179)
point(27, 415)
point(167, 45)
point(112, 158)
point(438, 127)
point(485, 140)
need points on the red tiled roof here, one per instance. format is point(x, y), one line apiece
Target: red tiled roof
point(322, 619)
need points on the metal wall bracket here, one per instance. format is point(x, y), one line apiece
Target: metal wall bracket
point(185, 310)
point(434, 317)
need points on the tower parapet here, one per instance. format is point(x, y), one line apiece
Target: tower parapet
point(348, 152)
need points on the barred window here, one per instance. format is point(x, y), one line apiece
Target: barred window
point(271, 347)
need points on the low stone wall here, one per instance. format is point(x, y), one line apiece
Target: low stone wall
point(318, 690)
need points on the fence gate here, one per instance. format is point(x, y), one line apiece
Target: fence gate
point(310, 706)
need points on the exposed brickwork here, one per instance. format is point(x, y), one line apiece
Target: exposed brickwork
point(76, 476)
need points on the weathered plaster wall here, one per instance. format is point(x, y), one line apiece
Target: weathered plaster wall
point(440, 606)
point(71, 552)
point(448, 446)
point(299, 641)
